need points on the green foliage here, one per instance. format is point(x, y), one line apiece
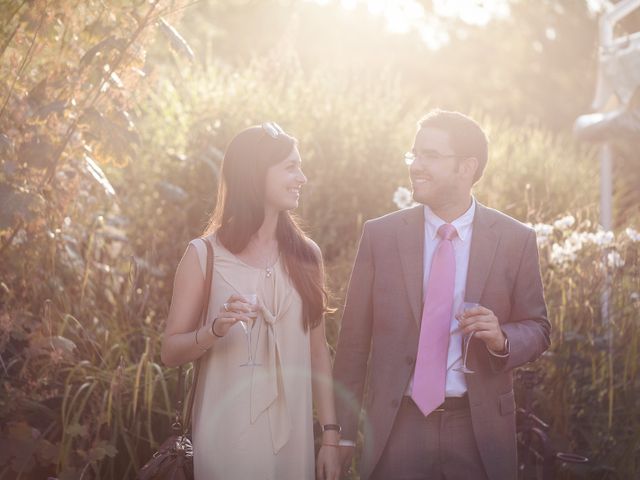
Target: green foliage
point(76, 398)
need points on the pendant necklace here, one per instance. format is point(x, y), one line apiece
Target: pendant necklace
point(269, 264)
point(269, 268)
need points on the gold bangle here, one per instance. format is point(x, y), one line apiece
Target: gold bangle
point(201, 347)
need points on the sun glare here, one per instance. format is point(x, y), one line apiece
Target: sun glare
point(473, 12)
point(404, 16)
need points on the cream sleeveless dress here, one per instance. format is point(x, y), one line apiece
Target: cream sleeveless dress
point(254, 423)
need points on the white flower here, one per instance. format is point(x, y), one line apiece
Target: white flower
point(578, 239)
point(602, 237)
point(561, 254)
point(614, 260)
point(633, 235)
point(564, 222)
point(403, 198)
point(543, 231)
point(542, 241)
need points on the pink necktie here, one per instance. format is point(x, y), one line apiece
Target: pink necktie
point(431, 364)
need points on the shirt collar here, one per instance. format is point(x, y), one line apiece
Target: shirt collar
point(463, 223)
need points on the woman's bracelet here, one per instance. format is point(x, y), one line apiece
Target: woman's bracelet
point(328, 427)
point(213, 328)
point(330, 444)
point(197, 343)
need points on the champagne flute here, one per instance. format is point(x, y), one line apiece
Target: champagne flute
point(252, 299)
point(466, 339)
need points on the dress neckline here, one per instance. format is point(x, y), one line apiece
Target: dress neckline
point(268, 269)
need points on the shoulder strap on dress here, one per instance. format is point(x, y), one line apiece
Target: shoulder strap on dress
point(196, 370)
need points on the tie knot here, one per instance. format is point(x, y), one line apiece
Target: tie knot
point(447, 231)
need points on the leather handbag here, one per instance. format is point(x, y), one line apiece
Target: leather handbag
point(174, 458)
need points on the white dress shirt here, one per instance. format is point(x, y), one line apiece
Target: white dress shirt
point(455, 385)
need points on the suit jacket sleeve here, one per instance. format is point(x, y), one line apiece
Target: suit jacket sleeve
point(528, 329)
point(354, 343)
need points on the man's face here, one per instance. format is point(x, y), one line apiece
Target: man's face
point(435, 173)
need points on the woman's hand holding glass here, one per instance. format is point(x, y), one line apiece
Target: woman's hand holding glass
point(235, 309)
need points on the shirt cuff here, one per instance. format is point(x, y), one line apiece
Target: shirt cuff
point(506, 350)
point(346, 443)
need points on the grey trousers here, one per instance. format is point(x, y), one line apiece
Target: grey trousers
point(440, 446)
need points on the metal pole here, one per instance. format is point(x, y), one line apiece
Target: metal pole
point(606, 187)
point(606, 220)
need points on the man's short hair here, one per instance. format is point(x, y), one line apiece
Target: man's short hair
point(465, 134)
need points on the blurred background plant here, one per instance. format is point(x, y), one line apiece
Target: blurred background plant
point(114, 117)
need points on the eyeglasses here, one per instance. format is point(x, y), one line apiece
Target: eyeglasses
point(430, 156)
point(272, 129)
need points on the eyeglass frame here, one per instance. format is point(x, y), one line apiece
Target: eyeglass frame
point(410, 157)
point(272, 129)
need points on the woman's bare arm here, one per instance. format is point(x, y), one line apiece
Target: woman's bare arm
point(179, 339)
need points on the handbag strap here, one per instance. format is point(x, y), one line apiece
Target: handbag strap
point(186, 423)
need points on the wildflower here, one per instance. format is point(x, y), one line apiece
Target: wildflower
point(561, 254)
point(564, 222)
point(602, 238)
point(542, 241)
point(578, 239)
point(543, 231)
point(403, 198)
point(614, 260)
point(633, 235)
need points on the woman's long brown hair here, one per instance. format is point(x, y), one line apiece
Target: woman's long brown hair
point(239, 213)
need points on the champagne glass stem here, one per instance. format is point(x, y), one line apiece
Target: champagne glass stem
point(466, 349)
point(248, 336)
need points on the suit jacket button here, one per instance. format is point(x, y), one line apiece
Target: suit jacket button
point(395, 402)
point(410, 360)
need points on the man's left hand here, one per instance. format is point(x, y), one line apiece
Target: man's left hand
point(483, 321)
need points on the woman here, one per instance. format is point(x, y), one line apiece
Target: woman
point(267, 303)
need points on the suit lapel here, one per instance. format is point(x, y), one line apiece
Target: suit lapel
point(484, 242)
point(410, 237)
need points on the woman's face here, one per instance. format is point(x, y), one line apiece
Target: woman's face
point(283, 183)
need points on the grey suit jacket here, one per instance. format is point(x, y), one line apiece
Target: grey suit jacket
point(380, 328)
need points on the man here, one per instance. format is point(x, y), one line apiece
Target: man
point(403, 322)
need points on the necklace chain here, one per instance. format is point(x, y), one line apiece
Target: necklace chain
point(269, 261)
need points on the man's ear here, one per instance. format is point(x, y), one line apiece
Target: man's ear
point(469, 167)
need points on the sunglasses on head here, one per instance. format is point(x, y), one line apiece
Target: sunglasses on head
point(272, 129)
